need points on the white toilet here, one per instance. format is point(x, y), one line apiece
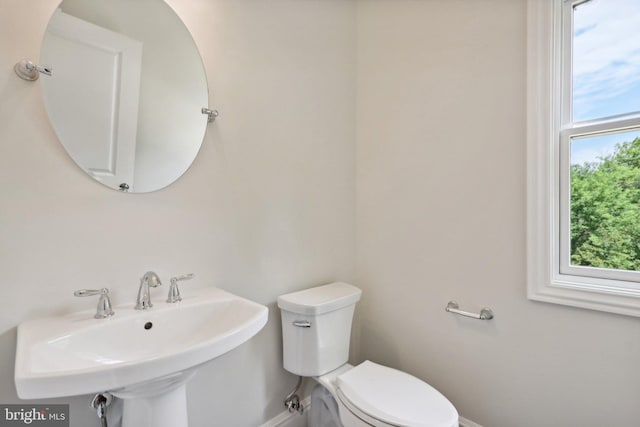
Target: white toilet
point(316, 329)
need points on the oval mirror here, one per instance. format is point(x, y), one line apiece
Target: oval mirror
point(126, 91)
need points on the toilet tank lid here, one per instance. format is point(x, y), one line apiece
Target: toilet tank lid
point(321, 299)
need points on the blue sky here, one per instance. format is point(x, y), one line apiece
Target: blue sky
point(606, 68)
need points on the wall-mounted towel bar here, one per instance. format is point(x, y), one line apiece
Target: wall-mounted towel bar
point(485, 313)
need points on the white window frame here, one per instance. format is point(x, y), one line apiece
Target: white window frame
point(550, 275)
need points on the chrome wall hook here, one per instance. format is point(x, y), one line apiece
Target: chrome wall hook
point(212, 114)
point(29, 71)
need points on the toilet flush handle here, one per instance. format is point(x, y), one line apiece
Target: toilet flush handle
point(302, 323)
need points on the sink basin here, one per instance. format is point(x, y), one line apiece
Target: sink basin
point(77, 354)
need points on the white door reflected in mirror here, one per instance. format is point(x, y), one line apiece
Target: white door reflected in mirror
point(127, 90)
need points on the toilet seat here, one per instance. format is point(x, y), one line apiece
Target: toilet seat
point(384, 396)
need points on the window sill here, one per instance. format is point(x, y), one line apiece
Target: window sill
point(609, 299)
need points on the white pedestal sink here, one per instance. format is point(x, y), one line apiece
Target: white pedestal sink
point(143, 357)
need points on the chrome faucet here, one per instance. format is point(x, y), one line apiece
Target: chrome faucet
point(150, 279)
point(104, 309)
point(174, 291)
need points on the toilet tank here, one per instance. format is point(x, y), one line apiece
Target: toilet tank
point(316, 328)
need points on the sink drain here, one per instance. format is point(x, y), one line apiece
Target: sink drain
point(148, 325)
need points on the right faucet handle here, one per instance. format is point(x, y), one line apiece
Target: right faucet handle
point(174, 291)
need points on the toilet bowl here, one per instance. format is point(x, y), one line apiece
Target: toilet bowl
point(316, 326)
point(324, 412)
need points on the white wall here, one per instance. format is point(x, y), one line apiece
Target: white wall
point(441, 215)
point(266, 208)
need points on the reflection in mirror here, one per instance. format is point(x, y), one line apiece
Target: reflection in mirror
point(127, 90)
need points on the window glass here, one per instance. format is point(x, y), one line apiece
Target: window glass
point(605, 200)
point(606, 58)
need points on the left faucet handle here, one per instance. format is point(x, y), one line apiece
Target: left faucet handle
point(104, 309)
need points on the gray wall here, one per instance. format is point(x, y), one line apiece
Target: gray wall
point(441, 215)
point(267, 207)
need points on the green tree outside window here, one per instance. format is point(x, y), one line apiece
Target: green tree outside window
point(605, 210)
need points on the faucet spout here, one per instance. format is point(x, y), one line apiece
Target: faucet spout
point(149, 280)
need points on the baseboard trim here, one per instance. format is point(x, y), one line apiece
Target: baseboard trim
point(285, 418)
point(467, 423)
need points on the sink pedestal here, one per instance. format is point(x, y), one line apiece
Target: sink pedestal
point(159, 403)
